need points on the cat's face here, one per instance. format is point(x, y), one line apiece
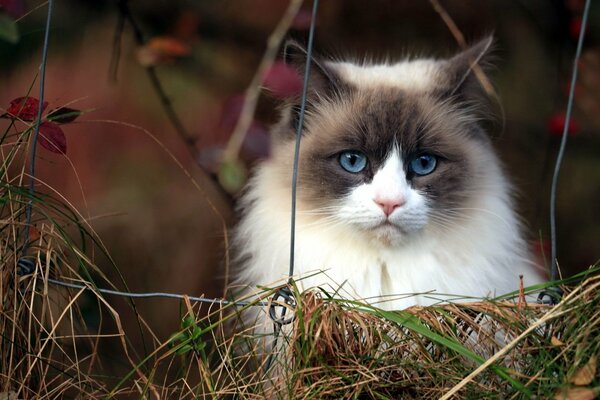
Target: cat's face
point(389, 152)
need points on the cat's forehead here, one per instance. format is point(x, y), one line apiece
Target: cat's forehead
point(377, 118)
point(418, 75)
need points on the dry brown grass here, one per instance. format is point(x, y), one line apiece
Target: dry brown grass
point(336, 349)
point(71, 343)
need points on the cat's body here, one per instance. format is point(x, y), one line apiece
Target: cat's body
point(399, 190)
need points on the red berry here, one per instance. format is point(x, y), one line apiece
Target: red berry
point(556, 125)
point(575, 28)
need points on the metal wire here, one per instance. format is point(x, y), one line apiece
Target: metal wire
point(309, 47)
point(563, 142)
point(157, 294)
point(285, 292)
point(38, 122)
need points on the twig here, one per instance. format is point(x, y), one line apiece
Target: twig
point(113, 70)
point(251, 95)
point(188, 140)
point(156, 83)
point(522, 301)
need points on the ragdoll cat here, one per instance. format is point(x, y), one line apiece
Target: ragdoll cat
point(399, 189)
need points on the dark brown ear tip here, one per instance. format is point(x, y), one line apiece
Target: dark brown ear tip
point(484, 45)
point(292, 50)
point(480, 52)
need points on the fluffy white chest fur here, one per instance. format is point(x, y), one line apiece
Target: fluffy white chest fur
point(399, 191)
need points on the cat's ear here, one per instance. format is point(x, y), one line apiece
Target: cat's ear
point(321, 80)
point(466, 72)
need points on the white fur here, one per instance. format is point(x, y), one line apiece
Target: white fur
point(483, 256)
point(415, 75)
point(355, 256)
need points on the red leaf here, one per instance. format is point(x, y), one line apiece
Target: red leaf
point(63, 115)
point(14, 8)
point(230, 112)
point(282, 80)
point(257, 141)
point(186, 25)
point(302, 20)
point(556, 125)
point(52, 138)
point(25, 108)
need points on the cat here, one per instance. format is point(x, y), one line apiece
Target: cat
point(399, 191)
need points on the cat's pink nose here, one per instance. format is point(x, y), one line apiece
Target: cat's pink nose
point(389, 205)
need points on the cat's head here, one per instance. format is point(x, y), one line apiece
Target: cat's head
point(388, 150)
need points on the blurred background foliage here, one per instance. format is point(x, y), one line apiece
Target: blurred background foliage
point(160, 230)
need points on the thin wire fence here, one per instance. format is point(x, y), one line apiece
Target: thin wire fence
point(26, 266)
point(563, 141)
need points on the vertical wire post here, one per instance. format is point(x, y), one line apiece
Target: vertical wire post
point(563, 142)
point(31, 189)
point(311, 35)
point(285, 292)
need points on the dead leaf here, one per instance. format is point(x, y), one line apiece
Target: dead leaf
point(585, 374)
point(34, 233)
point(161, 49)
point(576, 393)
point(556, 341)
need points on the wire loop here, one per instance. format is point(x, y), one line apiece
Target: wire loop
point(278, 309)
point(550, 296)
point(25, 266)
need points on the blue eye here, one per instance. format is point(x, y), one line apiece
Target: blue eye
point(423, 164)
point(353, 161)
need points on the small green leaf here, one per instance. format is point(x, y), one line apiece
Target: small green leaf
point(9, 31)
point(188, 321)
point(232, 176)
point(196, 332)
point(63, 115)
point(199, 346)
point(184, 349)
point(176, 337)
